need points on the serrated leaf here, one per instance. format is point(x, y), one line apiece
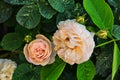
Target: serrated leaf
point(57, 5)
point(12, 41)
point(19, 2)
point(21, 72)
point(116, 60)
point(26, 71)
point(69, 4)
point(62, 5)
point(37, 70)
point(114, 3)
point(5, 11)
point(100, 13)
point(52, 71)
point(46, 11)
point(103, 63)
point(86, 71)
point(116, 31)
point(28, 16)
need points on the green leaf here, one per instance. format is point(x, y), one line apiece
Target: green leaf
point(19, 2)
point(26, 71)
point(52, 71)
point(116, 60)
point(21, 71)
point(116, 31)
point(69, 4)
point(28, 16)
point(57, 5)
point(62, 5)
point(100, 13)
point(22, 57)
point(36, 73)
point(86, 71)
point(12, 41)
point(46, 11)
point(5, 11)
point(104, 62)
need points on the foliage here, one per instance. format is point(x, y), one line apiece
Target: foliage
point(52, 71)
point(86, 71)
point(7, 41)
point(102, 17)
point(21, 18)
point(5, 11)
point(116, 60)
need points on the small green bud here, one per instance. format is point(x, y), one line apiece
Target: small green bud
point(27, 38)
point(102, 34)
point(81, 19)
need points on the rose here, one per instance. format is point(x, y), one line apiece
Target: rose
point(39, 51)
point(73, 42)
point(7, 68)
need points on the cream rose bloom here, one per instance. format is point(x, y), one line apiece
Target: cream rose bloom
point(73, 42)
point(39, 51)
point(7, 68)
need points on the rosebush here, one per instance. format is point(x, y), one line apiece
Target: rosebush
point(59, 39)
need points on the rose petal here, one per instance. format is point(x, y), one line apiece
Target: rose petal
point(26, 53)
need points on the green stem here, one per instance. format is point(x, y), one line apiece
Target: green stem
point(105, 43)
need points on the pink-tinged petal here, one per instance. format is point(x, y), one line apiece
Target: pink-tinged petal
point(52, 56)
point(45, 62)
point(26, 53)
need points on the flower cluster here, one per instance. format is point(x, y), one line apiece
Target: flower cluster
point(72, 42)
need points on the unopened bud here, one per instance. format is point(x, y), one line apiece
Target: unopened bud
point(81, 19)
point(102, 34)
point(27, 38)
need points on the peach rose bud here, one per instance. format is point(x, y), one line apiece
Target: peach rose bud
point(39, 51)
point(73, 42)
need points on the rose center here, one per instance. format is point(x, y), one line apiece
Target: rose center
point(39, 52)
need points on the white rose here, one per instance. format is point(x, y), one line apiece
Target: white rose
point(73, 42)
point(7, 68)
